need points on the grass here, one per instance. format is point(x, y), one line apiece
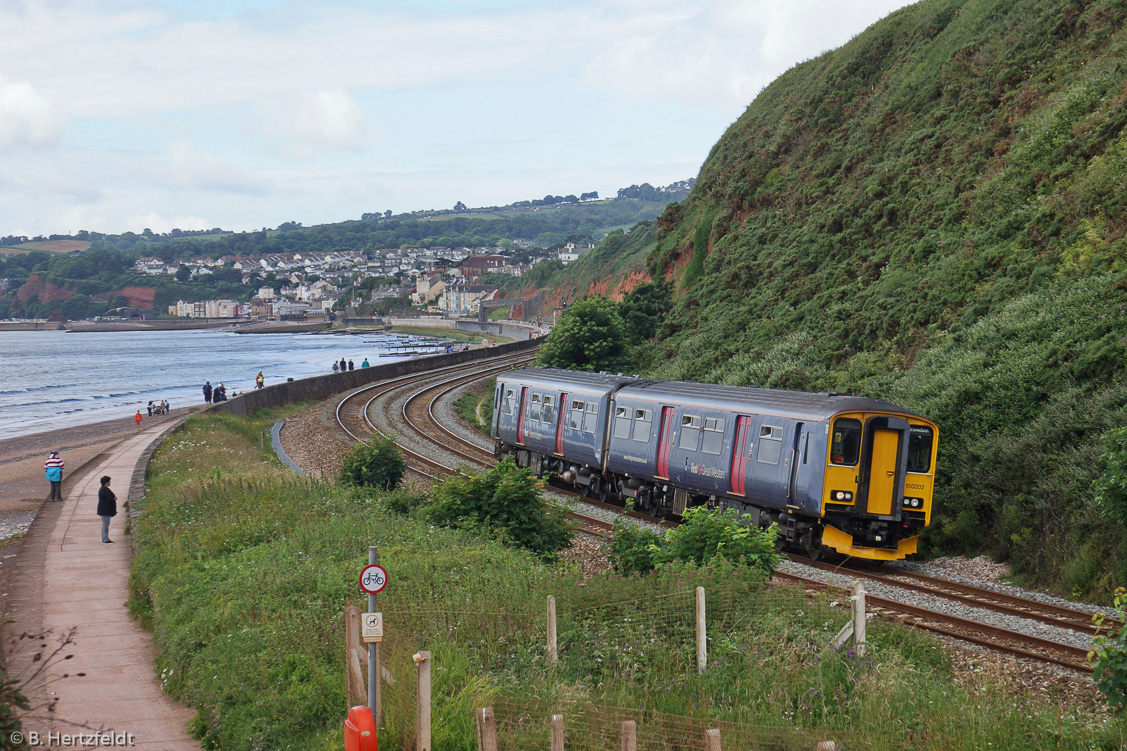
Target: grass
point(243, 572)
point(476, 406)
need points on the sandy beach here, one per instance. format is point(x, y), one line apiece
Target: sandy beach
point(23, 488)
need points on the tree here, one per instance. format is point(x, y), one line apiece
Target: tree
point(459, 206)
point(590, 336)
point(644, 308)
point(183, 273)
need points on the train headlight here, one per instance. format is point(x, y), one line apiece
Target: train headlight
point(842, 496)
point(913, 502)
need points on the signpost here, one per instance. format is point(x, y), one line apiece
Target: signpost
point(372, 580)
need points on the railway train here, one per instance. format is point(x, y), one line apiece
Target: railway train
point(834, 471)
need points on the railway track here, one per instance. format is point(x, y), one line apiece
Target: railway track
point(969, 629)
point(364, 413)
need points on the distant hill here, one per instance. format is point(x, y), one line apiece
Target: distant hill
point(51, 246)
point(935, 214)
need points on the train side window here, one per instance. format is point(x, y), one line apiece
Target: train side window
point(642, 420)
point(845, 448)
point(548, 415)
point(589, 423)
point(713, 436)
point(510, 400)
point(770, 444)
point(575, 417)
point(621, 422)
point(534, 410)
point(690, 433)
point(806, 448)
point(919, 448)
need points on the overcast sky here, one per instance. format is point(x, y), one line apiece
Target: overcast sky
point(124, 114)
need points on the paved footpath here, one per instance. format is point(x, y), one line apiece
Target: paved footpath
point(109, 684)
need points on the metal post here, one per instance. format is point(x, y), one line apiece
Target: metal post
point(374, 699)
point(859, 618)
point(552, 651)
point(702, 638)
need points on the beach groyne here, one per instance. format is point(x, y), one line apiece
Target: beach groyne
point(318, 388)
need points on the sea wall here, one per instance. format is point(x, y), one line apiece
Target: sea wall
point(318, 388)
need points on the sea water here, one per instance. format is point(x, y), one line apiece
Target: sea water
point(59, 379)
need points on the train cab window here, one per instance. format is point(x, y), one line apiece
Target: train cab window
point(713, 436)
point(575, 417)
point(642, 420)
point(845, 448)
point(621, 422)
point(690, 433)
point(510, 400)
point(548, 414)
point(770, 444)
point(534, 410)
point(919, 448)
point(589, 422)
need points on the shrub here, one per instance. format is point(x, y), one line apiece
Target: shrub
point(507, 500)
point(1110, 655)
point(1111, 486)
point(703, 534)
point(378, 464)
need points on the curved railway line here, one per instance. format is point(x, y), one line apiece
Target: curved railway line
point(364, 413)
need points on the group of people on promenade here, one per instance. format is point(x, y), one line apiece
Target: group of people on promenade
point(343, 365)
point(215, 395)
point(107, 500)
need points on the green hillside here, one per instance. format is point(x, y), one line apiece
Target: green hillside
point(934, 214)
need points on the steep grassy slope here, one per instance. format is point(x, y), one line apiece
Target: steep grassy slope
point(934, 213)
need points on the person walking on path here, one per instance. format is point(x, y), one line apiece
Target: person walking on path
point(207, 392)
point(137, 419)
point(259, 380)
point(107, 508)
point(53, 469)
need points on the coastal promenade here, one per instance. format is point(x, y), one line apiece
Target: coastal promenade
point(87, 665)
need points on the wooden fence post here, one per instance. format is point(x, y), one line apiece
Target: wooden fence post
point(557, 732)
point(702, 637)
point(712, 740)
point(354, 656)
point(486, 730)
point(629, 735)
point(553, 653)
point(422, 659)
point(859, 618)
point(826, 746)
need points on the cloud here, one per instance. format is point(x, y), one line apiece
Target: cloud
point(315, 122)
point(27, 118)
point(186, 168)
point(160, 225)
point(724, 52)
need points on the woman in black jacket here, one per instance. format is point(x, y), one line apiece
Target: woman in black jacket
point(107, 508)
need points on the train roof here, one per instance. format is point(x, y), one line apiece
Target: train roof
point(800, 404)
point(558, 377)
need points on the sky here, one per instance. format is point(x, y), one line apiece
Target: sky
point(121, 115)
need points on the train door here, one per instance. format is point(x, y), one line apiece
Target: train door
point(883, 471)
point(738, 473)
point(795, 463)
point(560, 424)
point(664, 442)
point(520, 415)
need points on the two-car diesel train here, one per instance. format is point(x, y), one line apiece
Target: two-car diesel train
point(847, 473)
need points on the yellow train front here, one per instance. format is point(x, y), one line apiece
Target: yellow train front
point(833, 471)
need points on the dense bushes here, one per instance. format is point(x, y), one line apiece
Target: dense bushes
point(378, 464)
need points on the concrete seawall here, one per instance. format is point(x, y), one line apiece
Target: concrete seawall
point(317, 388)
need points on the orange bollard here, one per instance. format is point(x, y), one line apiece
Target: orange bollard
point(360, 730)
